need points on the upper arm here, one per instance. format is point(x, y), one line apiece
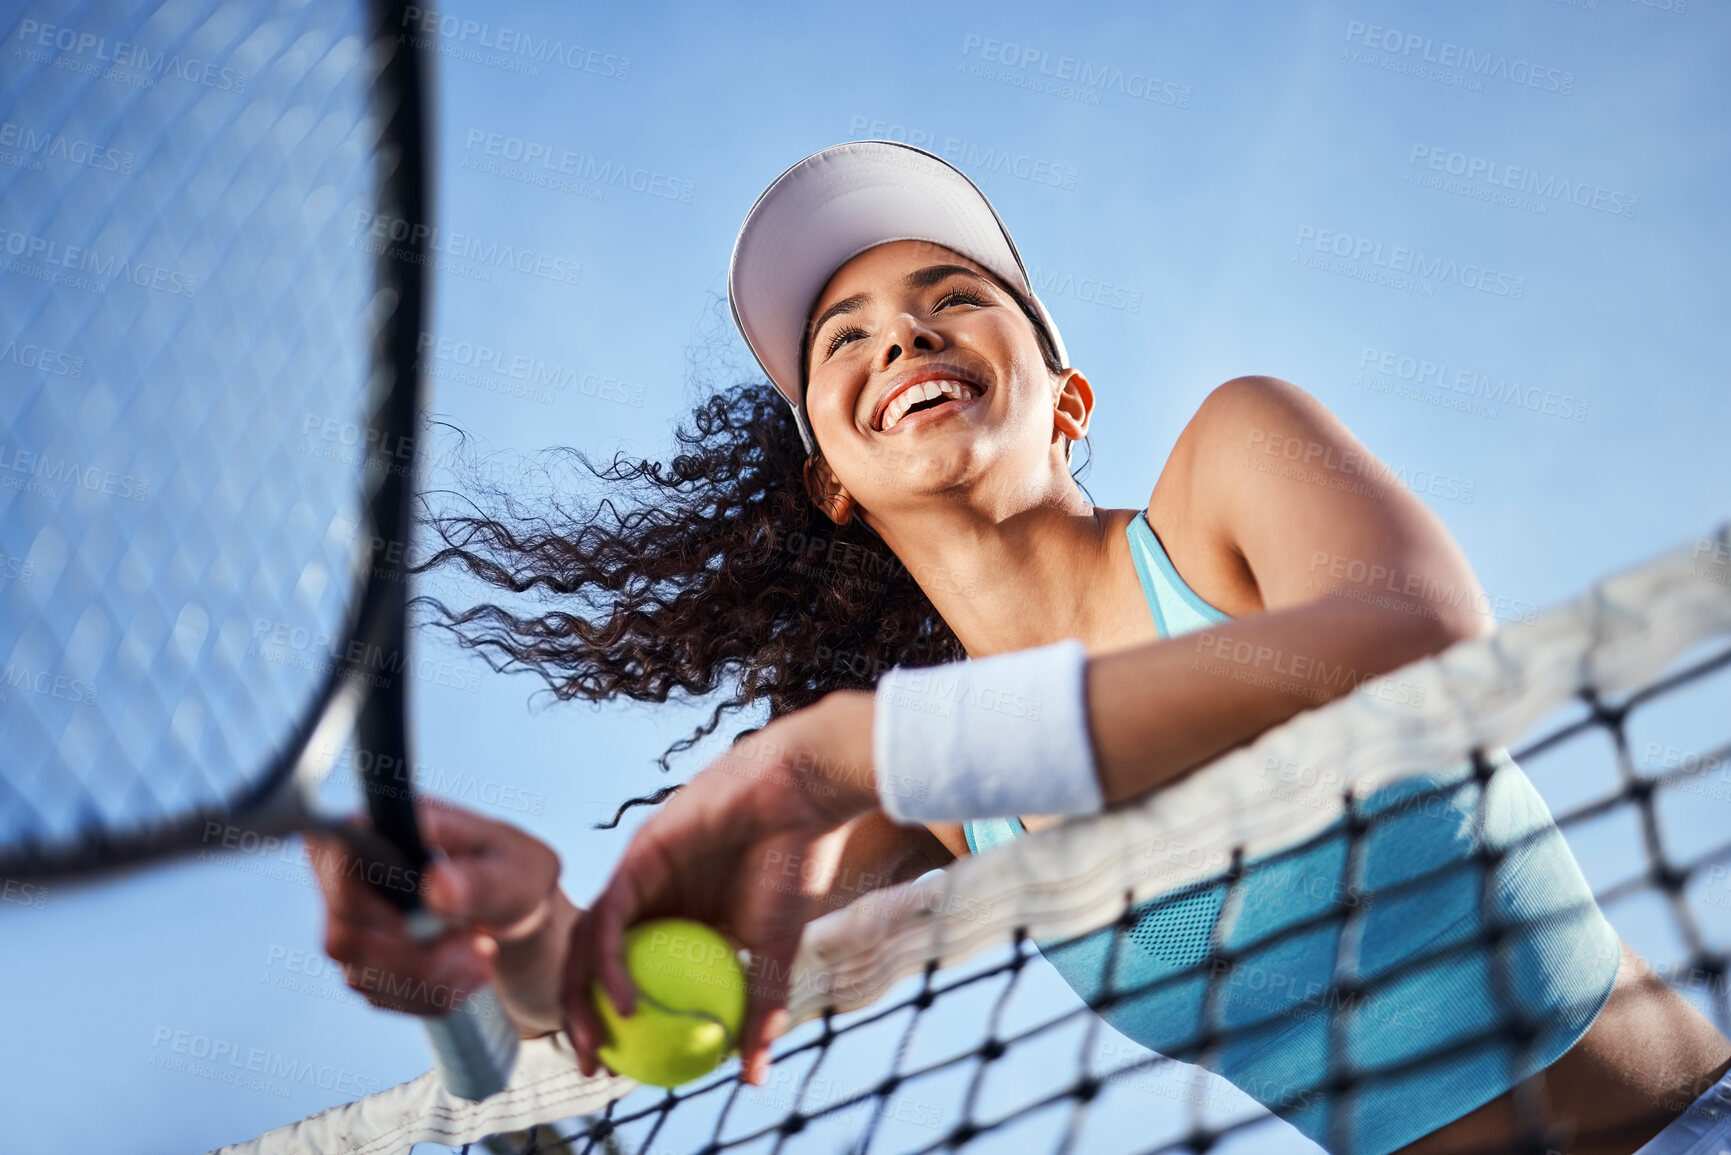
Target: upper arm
point(1270, 480)
point(880, 852)
point(949, 835)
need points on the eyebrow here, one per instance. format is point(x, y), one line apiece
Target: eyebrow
point(918, 279)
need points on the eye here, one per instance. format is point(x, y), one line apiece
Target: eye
point(839, 336)
point(967, 295)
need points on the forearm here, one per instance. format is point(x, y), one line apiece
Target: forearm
point(1159, 710)
point(878, 853)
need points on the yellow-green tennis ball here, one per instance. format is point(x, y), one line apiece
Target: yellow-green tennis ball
point(690, 1004)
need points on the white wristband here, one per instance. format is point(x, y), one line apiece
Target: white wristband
point(991, 738)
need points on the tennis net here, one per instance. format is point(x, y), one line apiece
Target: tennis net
point(930, 1020)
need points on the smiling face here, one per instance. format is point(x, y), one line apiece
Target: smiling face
point(924, 374)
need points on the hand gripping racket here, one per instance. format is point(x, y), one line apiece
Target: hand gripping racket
point(213, 281)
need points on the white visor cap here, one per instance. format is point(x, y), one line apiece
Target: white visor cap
point(834, 205)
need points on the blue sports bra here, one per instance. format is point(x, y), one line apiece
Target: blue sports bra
point(1274, 1002)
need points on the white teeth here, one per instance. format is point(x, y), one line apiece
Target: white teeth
point(925, 391)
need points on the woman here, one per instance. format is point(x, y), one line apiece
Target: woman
point(935, 406)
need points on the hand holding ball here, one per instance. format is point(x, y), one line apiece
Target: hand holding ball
point(690, 1004)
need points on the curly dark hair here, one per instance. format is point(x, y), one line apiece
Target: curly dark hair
point(711, 569)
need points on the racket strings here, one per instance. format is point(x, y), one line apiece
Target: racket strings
point(194, 508)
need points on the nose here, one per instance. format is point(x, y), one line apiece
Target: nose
point(908, 331)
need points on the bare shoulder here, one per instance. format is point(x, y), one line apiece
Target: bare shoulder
point(1237, 419)
point(1268, 486)
point(1245, 412)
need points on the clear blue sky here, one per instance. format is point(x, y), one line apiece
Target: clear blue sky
point(1510, 281)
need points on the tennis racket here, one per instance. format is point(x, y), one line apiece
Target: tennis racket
point(214, 277)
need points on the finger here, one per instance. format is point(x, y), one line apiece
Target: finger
point(608, 956)
point(324, 852)
point(456, 830)
point(398, 974)
point(717, 811)
point(772, 922)
point(340, 877)
point(500, 875)
point(408, 976)
point(766, 1016)
point(584, 1026)
point(652, 880)
point(674, 843)
point(507, 887)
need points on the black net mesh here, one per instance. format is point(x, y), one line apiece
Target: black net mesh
point(997, 1054)
point(187, 293)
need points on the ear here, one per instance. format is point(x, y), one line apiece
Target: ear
point(827, 491)
point(1073, 406)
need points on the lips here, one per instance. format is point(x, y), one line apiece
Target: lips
point(930, 384)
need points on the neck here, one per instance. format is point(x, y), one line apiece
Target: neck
point(1007, 577)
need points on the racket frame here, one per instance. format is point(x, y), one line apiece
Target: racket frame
point(475, 1044)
